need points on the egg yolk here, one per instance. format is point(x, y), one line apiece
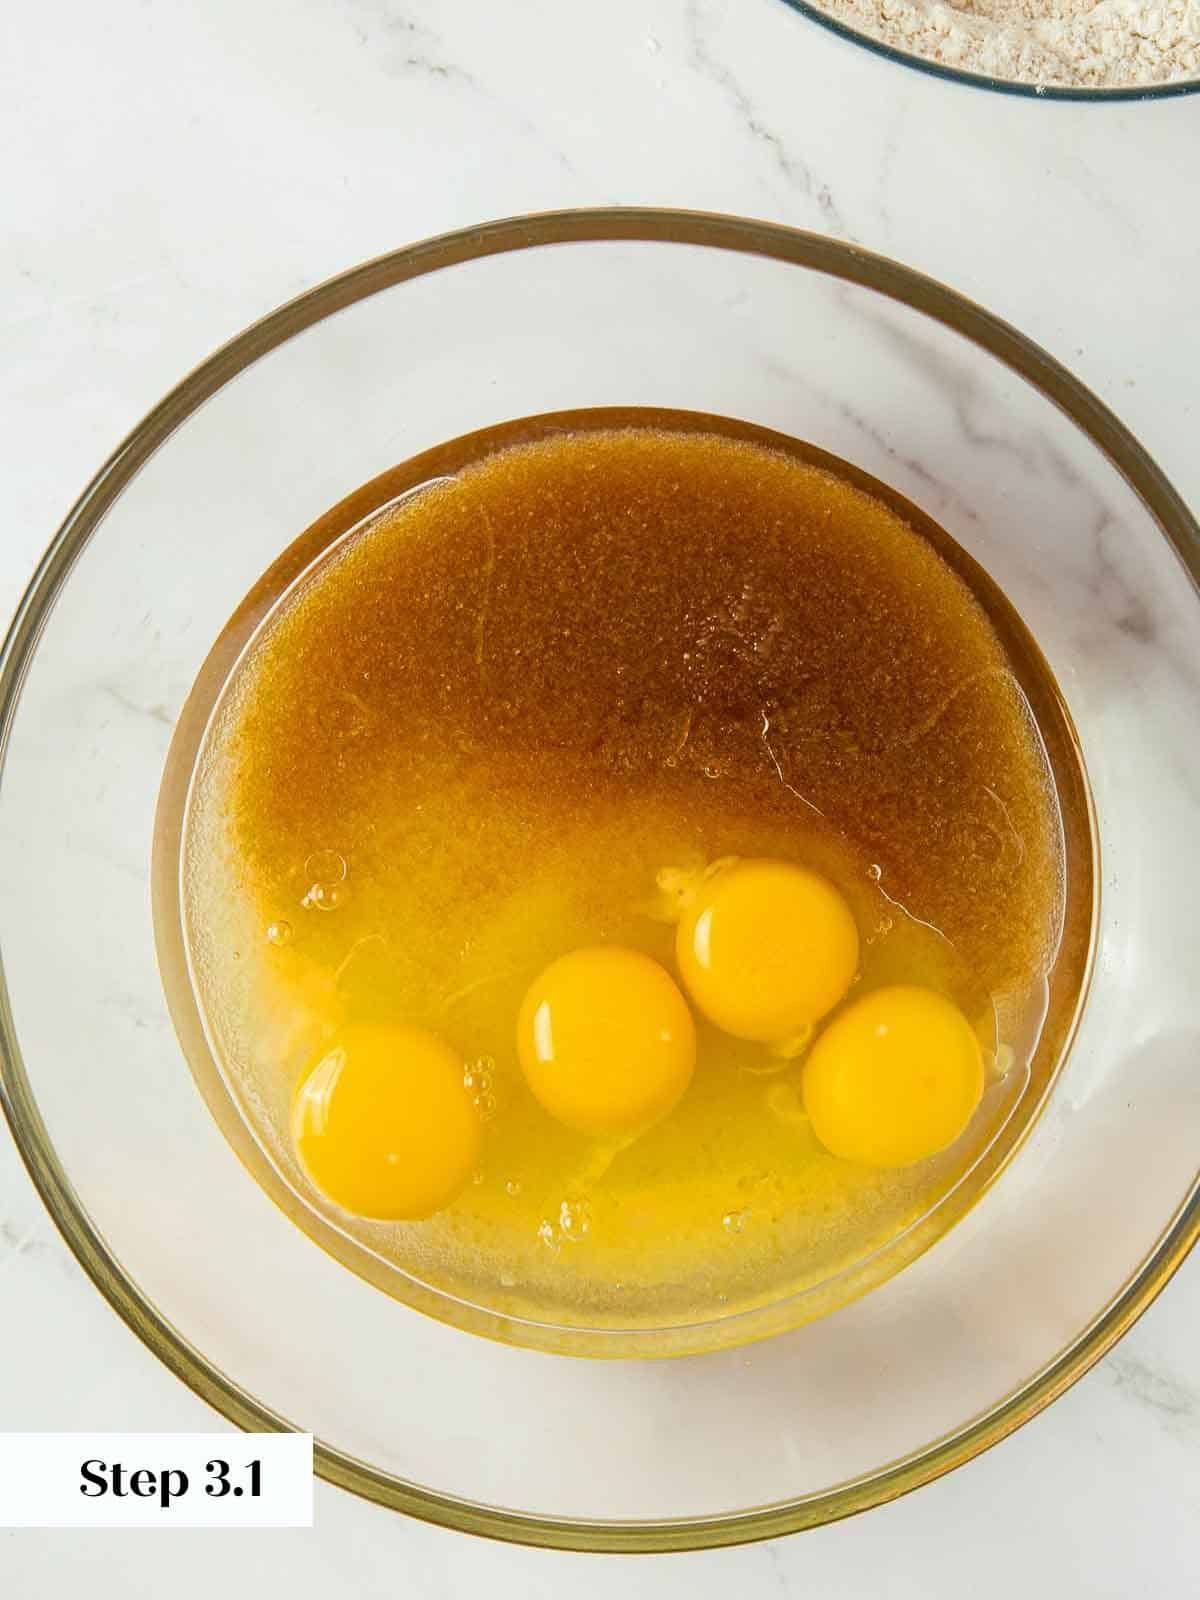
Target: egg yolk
point(383, 1124)
point(765, 949)
point(893, 1079)
point(606, 1041)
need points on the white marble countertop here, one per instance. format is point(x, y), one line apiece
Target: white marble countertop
point(173, 169)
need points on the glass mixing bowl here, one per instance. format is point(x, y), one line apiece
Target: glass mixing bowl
point(822, 341)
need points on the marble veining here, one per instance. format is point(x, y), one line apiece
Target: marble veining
point(783, 156)
point(16, 1241)
point(156, 712)
point(413, 49)
point(1176, 1402)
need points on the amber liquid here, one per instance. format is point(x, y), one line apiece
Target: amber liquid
point(486, 726)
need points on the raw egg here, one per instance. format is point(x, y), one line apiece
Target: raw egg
point(765, 949)
point(606, 1041)
point(383, 1123)
point(893, 1079)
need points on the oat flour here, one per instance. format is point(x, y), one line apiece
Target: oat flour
point(1093, 44)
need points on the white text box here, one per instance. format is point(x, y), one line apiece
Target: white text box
point(156, 1480)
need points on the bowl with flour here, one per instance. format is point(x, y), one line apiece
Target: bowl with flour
point(1052, 49)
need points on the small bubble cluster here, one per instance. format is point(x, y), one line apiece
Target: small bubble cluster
point(326, 873)
point(573, 1224)
point(479, 1079)
point(574, 1220)
point(324, 897)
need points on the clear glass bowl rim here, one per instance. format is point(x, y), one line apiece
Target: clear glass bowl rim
point(815, 252)
point(982, 80)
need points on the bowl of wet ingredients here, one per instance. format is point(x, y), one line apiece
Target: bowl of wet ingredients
point(656, 743)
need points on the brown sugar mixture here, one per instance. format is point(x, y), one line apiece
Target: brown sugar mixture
point(505, 718)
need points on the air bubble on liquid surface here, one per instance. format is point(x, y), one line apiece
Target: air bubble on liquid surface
point(574, 1220)
point(571, 1227)
point(326, 866)
point(734, 1222)
point(874, 872)
point(324, 897)
point(479, 1074)
point(512, 1188)
point(279, 933)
